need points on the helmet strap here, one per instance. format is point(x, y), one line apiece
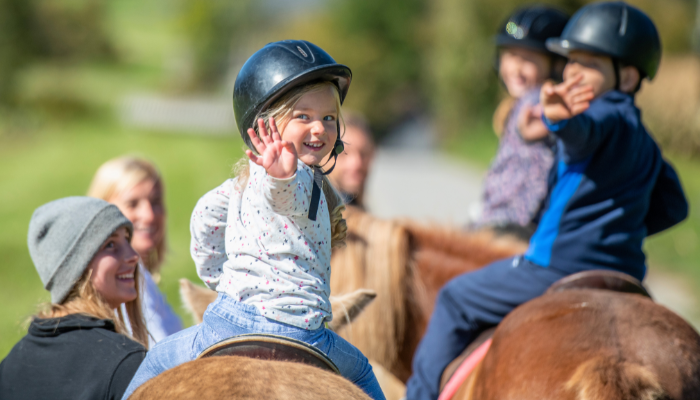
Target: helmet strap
point(338, 148)
point(616, 68)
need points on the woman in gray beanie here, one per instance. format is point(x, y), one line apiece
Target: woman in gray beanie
point(79, 346)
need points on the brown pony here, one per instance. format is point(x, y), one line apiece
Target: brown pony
point(406, 264)
point(228, 377)
point(589, 345)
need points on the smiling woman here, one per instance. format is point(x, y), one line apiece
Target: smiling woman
point(113, 269)
point(81, 249)
point(135, 186)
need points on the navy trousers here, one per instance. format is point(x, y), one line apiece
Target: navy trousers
point(467, 305)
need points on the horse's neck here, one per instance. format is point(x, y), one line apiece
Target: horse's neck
point(438, 255)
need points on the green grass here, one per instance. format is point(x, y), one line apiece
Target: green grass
point(676, 250)
point(59, 161)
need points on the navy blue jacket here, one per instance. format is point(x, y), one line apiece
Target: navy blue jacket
point(609, 189)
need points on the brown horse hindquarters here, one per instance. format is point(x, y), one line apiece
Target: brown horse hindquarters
point(229, 377)
point(591, 345)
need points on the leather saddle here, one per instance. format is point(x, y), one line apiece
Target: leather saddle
point(271, 347)
point(600, 279)
point(593, 279)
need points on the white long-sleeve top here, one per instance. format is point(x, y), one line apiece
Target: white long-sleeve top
point(259, 247)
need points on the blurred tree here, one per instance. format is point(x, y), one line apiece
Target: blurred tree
point(383, 42)
point(15, 23)
point(43, 30)
point(408, 56)
point(216, 29)
point(696, 29)
point(70, 30)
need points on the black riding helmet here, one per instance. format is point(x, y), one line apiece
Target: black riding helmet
point(529, 28)
point(618, 30)
point(273, 71)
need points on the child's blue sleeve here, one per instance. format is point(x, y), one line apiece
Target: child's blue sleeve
point(582, 134)
point(668, 205)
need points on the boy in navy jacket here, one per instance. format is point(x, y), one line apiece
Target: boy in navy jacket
point(609, 189)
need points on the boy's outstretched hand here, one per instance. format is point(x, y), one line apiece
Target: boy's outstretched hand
point(565, 100)
point(277, 156)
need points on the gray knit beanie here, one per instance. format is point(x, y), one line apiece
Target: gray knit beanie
point(64, 236)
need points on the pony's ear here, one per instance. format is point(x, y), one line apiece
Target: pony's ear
point(347, 307)
point(195, 298)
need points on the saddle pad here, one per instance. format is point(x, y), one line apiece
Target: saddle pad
point(464, 370)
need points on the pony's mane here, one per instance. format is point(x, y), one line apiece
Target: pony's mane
point(439, 254)
point(375, 258)
point(405, 263)
point(476, 247)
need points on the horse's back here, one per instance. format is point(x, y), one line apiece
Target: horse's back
point(230, 377)
point(591, 344)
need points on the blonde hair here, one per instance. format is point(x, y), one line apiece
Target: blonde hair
point(281, 111)
point(84, 298)
point(120, 174)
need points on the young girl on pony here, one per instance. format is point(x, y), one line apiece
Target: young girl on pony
point(263, 240)
point(516, 183)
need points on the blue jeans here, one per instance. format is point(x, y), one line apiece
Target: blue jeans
point(225, 318)
point(467, 305)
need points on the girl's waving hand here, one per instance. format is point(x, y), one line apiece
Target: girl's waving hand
point(277, 156)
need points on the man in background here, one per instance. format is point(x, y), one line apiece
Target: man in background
point(352, 167)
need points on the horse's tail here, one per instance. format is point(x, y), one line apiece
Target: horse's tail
point(608, 378)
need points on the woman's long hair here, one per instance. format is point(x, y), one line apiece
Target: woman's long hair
point(85, 299)
point(281, 111)
point(120, 174)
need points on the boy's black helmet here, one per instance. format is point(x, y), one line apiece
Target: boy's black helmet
point(530, 27)
point(277, 68)
point(614, 29)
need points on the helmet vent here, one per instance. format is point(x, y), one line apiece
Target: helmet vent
point(623, 22)
point(303, 53)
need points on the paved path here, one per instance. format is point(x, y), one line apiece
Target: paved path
point(423, 186)
point(410, 178)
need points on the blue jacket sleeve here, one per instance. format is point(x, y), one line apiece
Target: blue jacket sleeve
point(581, 135)
point(668, 205)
